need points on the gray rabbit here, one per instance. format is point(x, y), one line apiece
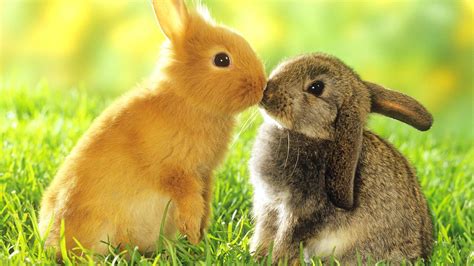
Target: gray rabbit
point(322, 180)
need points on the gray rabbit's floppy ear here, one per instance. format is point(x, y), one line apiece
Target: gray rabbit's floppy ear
point(344, 155)
point(172, 16)
point(399, 106)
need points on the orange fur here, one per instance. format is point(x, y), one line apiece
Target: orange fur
point(158, 143)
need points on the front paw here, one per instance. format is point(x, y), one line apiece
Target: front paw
point(203, 229)
point(189, 224)
point(258, 251)
point(286, 261)
point(204, 224)
point(188, 218)
point(260, 255)
point(285, 255)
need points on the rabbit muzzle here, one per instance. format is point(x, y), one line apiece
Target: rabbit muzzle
point(266, 99)
point(276, 105)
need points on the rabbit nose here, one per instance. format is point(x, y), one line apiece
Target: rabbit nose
point(269, 89)
point(267, 93)
point(259, 84)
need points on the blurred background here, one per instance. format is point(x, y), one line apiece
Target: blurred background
point(423, 48)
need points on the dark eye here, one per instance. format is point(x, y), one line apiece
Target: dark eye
point(221, 60)
point(316, 88)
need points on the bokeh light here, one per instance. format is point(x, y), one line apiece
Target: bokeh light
point(424, 48)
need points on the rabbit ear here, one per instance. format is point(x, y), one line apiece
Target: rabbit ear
point(399, 106)
point(344, 155)
point(172, 16)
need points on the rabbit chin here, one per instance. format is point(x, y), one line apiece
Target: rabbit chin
point(274, 120)
point(307, 130)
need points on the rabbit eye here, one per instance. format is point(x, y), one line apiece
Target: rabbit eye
point(221, 60)
point(316, 88)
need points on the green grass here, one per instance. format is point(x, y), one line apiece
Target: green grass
point(39, 126)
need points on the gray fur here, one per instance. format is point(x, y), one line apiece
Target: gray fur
point(319, 176)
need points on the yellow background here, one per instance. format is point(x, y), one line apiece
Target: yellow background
point(423, 48)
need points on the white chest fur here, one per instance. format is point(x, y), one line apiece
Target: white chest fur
point(326, 243)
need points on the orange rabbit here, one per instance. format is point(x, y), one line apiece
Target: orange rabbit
point(158, 143)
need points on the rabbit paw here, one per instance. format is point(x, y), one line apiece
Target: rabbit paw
point(204, 223)
point(189, 224)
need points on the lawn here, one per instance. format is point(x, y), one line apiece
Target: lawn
point(40, 125)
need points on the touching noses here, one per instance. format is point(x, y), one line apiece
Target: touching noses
point(268, 93)
point(269, 90)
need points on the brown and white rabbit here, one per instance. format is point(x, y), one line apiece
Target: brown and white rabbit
point(322, 180)
point(158, 143)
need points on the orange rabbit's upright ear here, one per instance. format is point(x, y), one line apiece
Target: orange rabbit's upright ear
point(399, 106)
point(172, 16)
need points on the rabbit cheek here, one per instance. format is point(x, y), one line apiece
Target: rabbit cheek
point(250, 92)
point(235, 97)
point(315, 119)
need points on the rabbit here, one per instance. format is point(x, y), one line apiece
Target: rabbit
point(322, 180)
point(158, 143)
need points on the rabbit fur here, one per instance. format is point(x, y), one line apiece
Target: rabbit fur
point(322, 180)
point(157, 144)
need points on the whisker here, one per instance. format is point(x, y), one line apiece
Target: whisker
point(297, 158)
point(288, 151)
point(245, 126)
